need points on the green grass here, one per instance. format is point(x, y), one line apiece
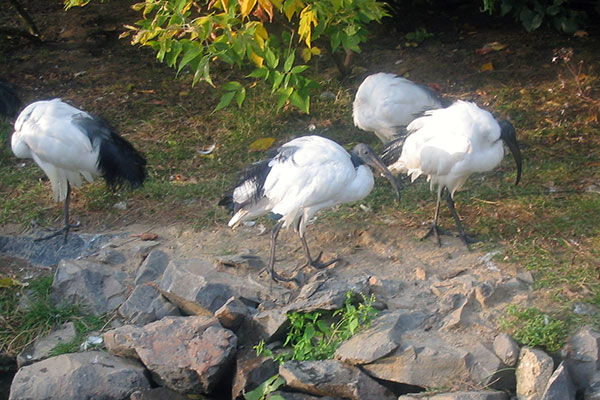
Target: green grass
point(531, 327)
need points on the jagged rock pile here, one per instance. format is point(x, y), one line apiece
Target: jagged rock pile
point(187, 326)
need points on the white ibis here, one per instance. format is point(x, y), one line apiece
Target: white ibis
point(448, 145)
point(9, 100)
point(306, 175)
point(67, 143)
point(386, 103)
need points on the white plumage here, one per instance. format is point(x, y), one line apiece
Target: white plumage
point(306, 175)
point(448, 145)
point(68, 144)
point(385, 104)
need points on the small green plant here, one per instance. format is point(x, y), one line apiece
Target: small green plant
point(532, 327)
point(316, 335)
point(413, 39)
point(264, 389)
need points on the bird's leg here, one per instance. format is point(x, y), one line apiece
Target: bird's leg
point(466, 238)
point(435, 229)
point(274, 275)
point(67, 226)
point(316, 263)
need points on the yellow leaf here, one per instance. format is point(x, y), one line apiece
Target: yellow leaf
point(247, 7)
point(315, 51)
point(261, 34)
point(487, 67)
point(307, 54)
point(256, 59)
point(262, 144)
point(292, 7)
point(6, 282)
point(268, 7)
point(307, 18)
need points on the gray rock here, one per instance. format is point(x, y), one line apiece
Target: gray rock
point(488, 370)
point(197, 287)
point(560, 386)
point(111, 256)
point(186, 354)
point(332, 378)
point(143, 248)
point(432, 365)
point(98, 287)
point(42, 347)
point(469, 395)
point(592, 392)
point(233, 313)
point(160, 393)
point(582, 356)
point(89, 375)
point(250, 373)
point(145, 304)
point(152, 268)
point(507, 349)
point(533, 373)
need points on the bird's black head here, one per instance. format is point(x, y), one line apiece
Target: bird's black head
point(365, 154)
point(509, 136)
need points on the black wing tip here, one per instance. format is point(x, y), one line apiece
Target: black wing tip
point(227, 203)
point(121, 163)
point(10, 102)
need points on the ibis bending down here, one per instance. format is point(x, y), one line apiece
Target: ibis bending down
point(9, 100)
point(450, 144)
point(306, 175)
point(385, 104)
point(67, 143)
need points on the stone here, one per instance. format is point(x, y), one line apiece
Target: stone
point(145, 304)
point(250, 373)
point(152, 268)
point(592, 392)
point(483, 293)
point(42, 347)
point(98, 287)
point(233, 313)
point(560, 386)
point(488, 370)
point(75, 376)
point(427, 365)
point(332, 378)
point(143, 248)
point(469, 395)
point(111, 256)
point(160, 393)
point(533, 373)
point(507, 349)
point(458, 317)
point(582, 356)
point(186, 354)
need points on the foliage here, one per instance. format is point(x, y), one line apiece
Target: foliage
point(532, 327)
point(268, 34)
point(20, 325)
point(532, 13)
point(312, 336)
point(264, 389)
point(413, 39)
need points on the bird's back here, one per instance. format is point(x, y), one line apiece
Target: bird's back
point(385, 103)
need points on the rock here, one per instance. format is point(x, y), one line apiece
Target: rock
point(88, 375)
point(111, 256)
point(186, 354)
point(244, 261)
point(332, 378)
point(560, 386)
point(197, 287)
point(507, 349)
point(233, 313)
point(459, 316)
point(250, 373)
point(592, 392)
point(488, 370)
point(98, 287)
point(483, 293)
point(160, 393)
point(152, 268)
point(42, 347)
point(582, 356)
point(470, 395)
point(300, 396)
point(145, 304)
point(428, 365)
point(143, 248)
point(533, 373)
point(372, 344)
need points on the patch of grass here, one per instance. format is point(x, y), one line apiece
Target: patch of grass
point(22, 323)
point(531, 327)
point(316, 335)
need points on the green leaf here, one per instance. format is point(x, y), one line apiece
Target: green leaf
point(301, 102)
point(289, 62)
point(225, 101)
point(283, 95)
point(232, 85)
point(190, 52)
point(240, 96)
point(277, 79)
point(271, 58)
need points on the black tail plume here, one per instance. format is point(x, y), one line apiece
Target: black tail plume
point(10, 103)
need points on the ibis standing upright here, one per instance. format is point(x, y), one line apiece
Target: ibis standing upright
point(448, 145)
point(386, 103)
point(306, 175)
point(67, 143)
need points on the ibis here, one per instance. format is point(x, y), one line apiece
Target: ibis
point(9, 100)
point(386, 103)
point(448, 145)
point(307, 174)
point(68, 143)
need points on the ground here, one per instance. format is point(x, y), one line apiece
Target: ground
point(83, 61)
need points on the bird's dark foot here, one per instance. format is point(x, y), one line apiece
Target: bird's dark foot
point(316, 263)
point(437, 231)
point(63, 231)
point(278, 278)
point(468, 240)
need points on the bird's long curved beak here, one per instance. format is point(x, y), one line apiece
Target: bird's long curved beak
point(509, 137)
point(378, 165)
